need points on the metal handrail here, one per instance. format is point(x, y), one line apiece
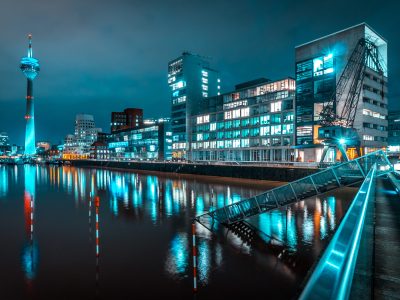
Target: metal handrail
point(333, 275)
point(318, 183)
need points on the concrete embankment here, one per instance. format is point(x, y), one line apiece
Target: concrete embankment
point(234, 171)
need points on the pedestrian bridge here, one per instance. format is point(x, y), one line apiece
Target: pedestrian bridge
point(344, 174)
point(348, 266)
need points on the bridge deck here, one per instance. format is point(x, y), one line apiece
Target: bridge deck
point(387, 242)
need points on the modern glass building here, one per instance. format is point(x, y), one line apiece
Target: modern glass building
point(319, 66)
point(191, 80)
point(153, 142)
point(253, 123)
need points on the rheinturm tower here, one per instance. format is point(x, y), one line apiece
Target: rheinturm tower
point(30, 68)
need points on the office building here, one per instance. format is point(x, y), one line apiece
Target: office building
point(78, 145)
point(394, 132)
point(150, 142)
point(4, 140)
point(191, 80)
point(254, 123)
point(128, 119)
point(319, 66)
point(99, 150)
point(4, 143)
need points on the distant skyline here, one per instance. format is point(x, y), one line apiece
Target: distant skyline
point(102, 56)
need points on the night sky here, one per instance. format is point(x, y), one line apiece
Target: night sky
point(99, 56)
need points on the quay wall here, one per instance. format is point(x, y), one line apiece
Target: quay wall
point(235, 171)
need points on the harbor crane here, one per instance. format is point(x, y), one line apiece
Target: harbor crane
point(337, 116)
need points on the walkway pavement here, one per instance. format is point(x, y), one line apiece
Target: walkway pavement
point(387, 242)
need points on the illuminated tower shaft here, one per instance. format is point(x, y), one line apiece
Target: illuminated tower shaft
point(30, 147)
point(30, 67)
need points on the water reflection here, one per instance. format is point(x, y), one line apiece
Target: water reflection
point(136, 195)
point(302, 223)
point(30, 249)
point(3, 181)
point(163, 208)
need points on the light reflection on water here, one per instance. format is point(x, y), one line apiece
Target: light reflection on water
point(171, 202)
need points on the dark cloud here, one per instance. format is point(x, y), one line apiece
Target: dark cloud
point(99, 56)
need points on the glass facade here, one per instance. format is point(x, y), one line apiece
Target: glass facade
point(147, 143)
point(250, 124)
point(315, 84)
point(191, 81)
point(319, 67)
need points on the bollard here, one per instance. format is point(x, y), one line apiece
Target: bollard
point(97, 204)
point(194, 258)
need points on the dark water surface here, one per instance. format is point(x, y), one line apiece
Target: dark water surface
point(48, 237)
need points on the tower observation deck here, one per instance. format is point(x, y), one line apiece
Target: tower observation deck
point(30, 67)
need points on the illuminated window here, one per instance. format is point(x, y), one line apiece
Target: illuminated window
point(264, 130)
point(276, 129)
point(204, 80)
point(276, 106)
point(304, 130)
point(203, 119)
point(178, 100)
point(204, 87)
point(213, 126)
point(236, 113)
point(171, 79)
point(264, 119)
point(245, 143)
point(287, 129)
point(368, 137)
point(204, 73)
point(178, 85)
point(236, 144)
point(205, 94)
point(275, 119)
point(245, 112)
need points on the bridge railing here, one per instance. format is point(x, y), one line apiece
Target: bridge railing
point(340, 175)
point(350, 248)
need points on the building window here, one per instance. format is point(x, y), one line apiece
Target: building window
point(245, 142)
point(264, 130)
point(178, 85)
point(245, 112)
point(276, 106)
point(264, 119)
point(368, 137)
point(236, 113)
point(287, 128)
point(276, 129)
point(203, 119)
point(213, 126)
